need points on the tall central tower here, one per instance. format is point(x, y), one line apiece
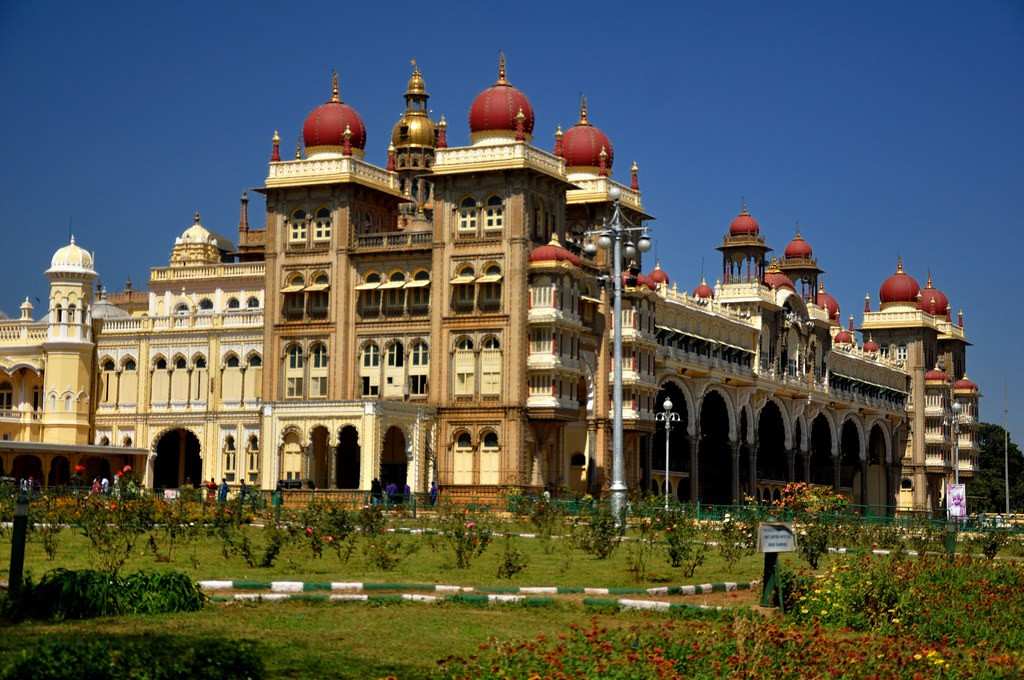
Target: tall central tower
point(413, 140)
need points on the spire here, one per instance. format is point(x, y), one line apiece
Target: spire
point(849, 324)
point(899, 264)
point(867, 302)
point(391, 157)
point(335, 93)
point(558, 141)
point(275, 153)
point(298, 151)
point(743, 206)
point(821, 286)
point(442, 133)
point(501, 69)
point(949, 312)
point(243, 213)
point(634, 177)
point(583, 111)
point(960, 319)
point(929, 283)
point(195, 220)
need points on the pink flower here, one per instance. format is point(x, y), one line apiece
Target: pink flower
point(126, 469)
point(329, 539)
point(309, 531)
point(470, 525)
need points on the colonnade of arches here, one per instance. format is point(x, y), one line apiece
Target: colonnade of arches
point(340, 466)
point(721, 454)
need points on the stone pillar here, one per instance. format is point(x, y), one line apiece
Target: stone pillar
point(752, 487)
point(734, 448)
point(791, 465)
point(695, 468)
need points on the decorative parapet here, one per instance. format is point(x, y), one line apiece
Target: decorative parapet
point(744, 292)
point(307, 171)
point(393, 240)
point(14, 333)
point(898, 318)
point(142, 325)
point(593, 190)
point(512, 155)
point(711, 307)
point(252, 270)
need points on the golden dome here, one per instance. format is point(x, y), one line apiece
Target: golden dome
point(414, 128)
point(416, 84)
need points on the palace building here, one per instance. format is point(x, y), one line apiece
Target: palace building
point(441, 319)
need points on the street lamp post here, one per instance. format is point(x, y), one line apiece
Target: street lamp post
point(611, 237)
point(956, 442)
point(667, 416)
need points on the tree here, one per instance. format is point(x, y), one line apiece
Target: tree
point(986, 491)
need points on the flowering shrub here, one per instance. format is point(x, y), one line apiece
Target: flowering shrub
point(931, 598)
point(686, 544)
point(735, 539)
point(512, 560)
point(599, 534)
point(113, 527)
point(739, 647)
point(801, 497)
point(467, 535)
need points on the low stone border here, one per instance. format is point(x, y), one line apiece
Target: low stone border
point(294, 587)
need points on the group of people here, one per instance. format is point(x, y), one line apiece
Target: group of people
point(392, 495)
point(221, 492)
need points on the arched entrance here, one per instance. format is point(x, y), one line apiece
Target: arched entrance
point(96, 468)
point(821, 452)
point(679, 443)
point(771, 445)
point(178, 462)
point(849, 462)
point(319, 473)
point(393, 463)
point(878, 478)
point(26, 466)
point(714, 466)
point(60, 472)
point(347, 457)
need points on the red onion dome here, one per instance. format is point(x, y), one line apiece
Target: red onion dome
point(933, 301)
point(703, 290)
point(828, 303)
point(496, 107)
point(658, 275)
point(553, 251)
point(325, 125)
point(870, 345)
point(776, 278)
point(900, 287)
point(843, 337)
point(935, 375)
point(798, 248)
point(744, 224)
point(965, 383)
point(582, 143)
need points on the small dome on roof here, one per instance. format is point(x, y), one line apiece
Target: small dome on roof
point(703, 290)
point(933, 301)
point(870, 345)
point(72, 258)
point(582, 144)
point(196, 233)
point(553, 251)
point(798, 248)
point(326, 124)
point(744, 224)
point(828, 303)
point(965, 384)
point(658, 275)
point(936, 375)
point(776, 278)
point(495, 109)
point(900, 287)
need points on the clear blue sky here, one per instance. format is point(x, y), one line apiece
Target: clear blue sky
point(883, 127)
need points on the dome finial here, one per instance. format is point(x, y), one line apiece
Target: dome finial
point(583, 111)
point(335, 93)
point(798, 236)
point(928, 284)
point(415, 67)
point(298, 151)
point(743, 206)
point(73, 238)
point(899, 264)
point(501, 68)
point(195, 220)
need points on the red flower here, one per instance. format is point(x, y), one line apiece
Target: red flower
point(79, 468)
point(309, 531)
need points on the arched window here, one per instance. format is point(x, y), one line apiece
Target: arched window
point(319, 356)
point(181, 309)
point(490, 367)
point(59, 313)
point(253, 303)
point(318, 296)
point(294, 367)
point(71, 314)
point(233, 303)
point(394, 294)
point(322, 230)
point(229, 443)
point(199, 362)
point(293, 296)
point(463, 459)
point(318, 370)
point(465, 368)
point(229, 456)
point(467, 216)
point(206, 305)
point(297, 227)
point(253, 457)
point(104, 441)
point(161, 364)
point(490, 288)
point(232, 361)
point(420, 354)
point(419, 292)
point(255, 360)
point(369, 295)
point(419, 362)
point(494, 214)
point(464, 290)
point(396, 354)
point(6, 396)
point(491, 440)
point(108, 365)
point(464, 441)
point(129, 365)
point(180, 363)
point(127, 442)
point(370, 371)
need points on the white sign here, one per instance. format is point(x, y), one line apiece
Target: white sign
point(775, 537)
point(170, 494)
point(956, 501)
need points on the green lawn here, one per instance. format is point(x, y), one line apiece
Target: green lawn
point(550, 563)
point(352, 640)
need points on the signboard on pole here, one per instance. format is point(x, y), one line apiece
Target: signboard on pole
point(956, 501)
point(170, 494)
point(775, 537)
